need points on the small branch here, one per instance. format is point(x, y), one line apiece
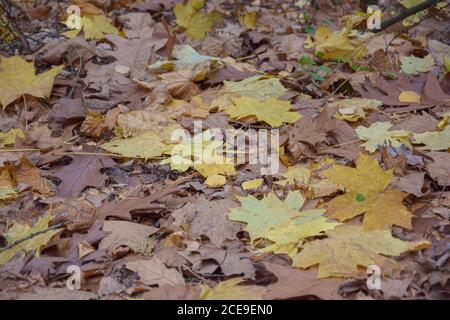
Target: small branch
point(405, 14)
point(15, 243)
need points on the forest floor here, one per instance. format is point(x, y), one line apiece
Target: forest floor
point(116, 116)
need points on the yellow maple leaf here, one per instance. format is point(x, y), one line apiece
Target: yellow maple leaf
point(295, 175)
point(231, 290)
point(289, 236)
point(95, 27)
point(308, 180)
point(21, 231)
point(259, 87)
point(202, 153)
point(17, 78)
point(196, 23)
point(272, 111)
point(378, 135)
point(146, 145)
point(365, 193)
point(434, 140)
point(269, 213)
point(349, 247)
point(338, 45)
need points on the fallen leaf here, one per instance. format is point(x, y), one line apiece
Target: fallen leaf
point(18, 232)
point(196, 23)
point(378, 135)
point(409, 97)
point(87, 170)
point(17, 78)
point(439, 168)
point(123, 233)
point(366, 194)
point(295, 284)
point(349, 247)
point(215, 181)
point(9, 137)
point(95, 27)
point(272, 111)
point(436, 140)
point(338, 45)
point(146, 145)
point(7, 189)
point(252, 184)
point(354, 109)
point(231, 290)
point(27, 174)
point(154, 272)
point(261, 88)
point(208, 218)
point(413, 65)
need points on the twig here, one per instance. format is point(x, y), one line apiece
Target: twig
point(405, 13)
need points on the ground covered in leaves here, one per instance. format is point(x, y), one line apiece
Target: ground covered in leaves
point(88, 178)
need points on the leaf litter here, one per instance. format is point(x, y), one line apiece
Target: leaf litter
point(89, 176)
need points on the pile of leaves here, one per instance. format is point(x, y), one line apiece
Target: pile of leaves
point(88, 177)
